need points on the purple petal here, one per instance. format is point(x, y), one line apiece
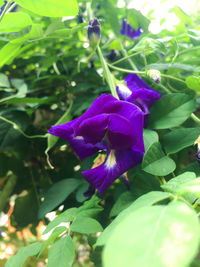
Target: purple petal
point(133, 33)
point(133, 82)
point(144, 97)
point(123, 29)
point(123, 91)
point(104, 175)
point(117, 131)
point(79, 145)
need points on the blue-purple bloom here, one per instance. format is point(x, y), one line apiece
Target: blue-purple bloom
point(138, 92)
point(109, 125)
point(128, 30)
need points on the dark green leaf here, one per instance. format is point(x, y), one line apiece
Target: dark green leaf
point(174, 109)
point(56, 194)
point(155, 162)
point(178, 139)
point(21, 256)
point(85, 225)
point(62, 253)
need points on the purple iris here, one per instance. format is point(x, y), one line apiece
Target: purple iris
point(109, 125)
point(138, 93)
point(128, 30)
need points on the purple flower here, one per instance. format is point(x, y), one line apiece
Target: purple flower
point(128, 30)
point(110, 125)
point(139, 93)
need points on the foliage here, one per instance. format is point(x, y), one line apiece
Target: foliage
point(49, 76)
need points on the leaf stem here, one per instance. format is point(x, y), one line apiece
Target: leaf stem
point(17, 128)
point(107, 73)
point(195, 118)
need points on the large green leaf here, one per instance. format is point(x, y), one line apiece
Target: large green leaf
point(152, 236)
point(62, 253)
point(21, 256)
point(51, 8)
point(155, 162)
point(86, 225)
point(145, 200)
point(178, 139)
point(56, 194)
point(171, 110)
point(13, 22)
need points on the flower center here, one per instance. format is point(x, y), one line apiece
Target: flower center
point(111, 160)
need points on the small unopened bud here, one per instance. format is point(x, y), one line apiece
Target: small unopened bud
point(94, 32)
point(155, 75)
point(197, 142)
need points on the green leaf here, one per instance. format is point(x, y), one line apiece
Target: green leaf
point(123, 202)
point(20, 217)
point(8, 134)
point(176, 183)
point(166, 66)
point(193, 83)
point(51, 139)
point(136, 19)
point(51, 8)
point(155, 162)
point(66, 216)
point(148, 199)
point(86, 225)
point(90, 208)
point(13, 22)
point(174, 109)
point(179, 139)
point(9, 51)
point(61, 253)
point(150, 137)
point(21, 256)
point(56, 232)
point(4, 82)
point(155, 236)
point(111, 15)
point(192, 187)
point(56, 194)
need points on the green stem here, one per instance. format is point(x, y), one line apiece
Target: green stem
point(172, 78)
point(126, 70)
point(195, 118)
point(16, 127)
point(164, 88)
point(107, 73)
point(126, 54)
point(126, 57)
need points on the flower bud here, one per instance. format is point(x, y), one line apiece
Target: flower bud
point(94, 32)
point(155, 75)
point(197, 142)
